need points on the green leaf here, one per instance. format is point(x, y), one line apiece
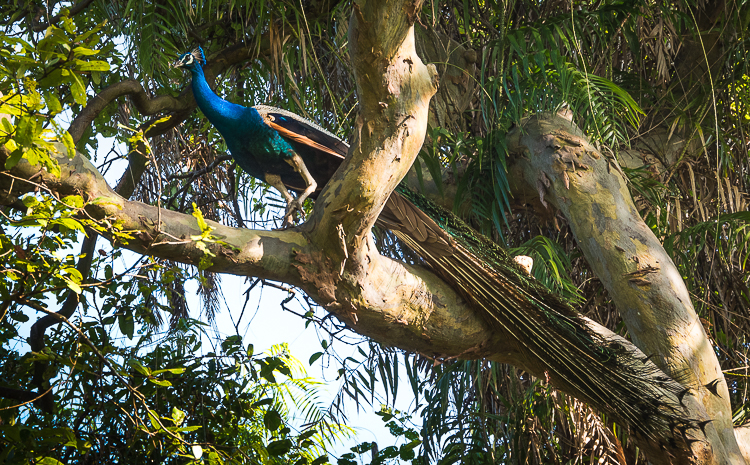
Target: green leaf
point(32, 156)
point(69, 223)
point(154, 420)
point(74, 274)
point(127, 325)
point(201, 221)
point(160, 382)
point(7, 127)
point(67, 140)
point(263, 402)
point(74, 201)
point(55, 35)
point(272, 420)
point(145, 371)
point(178, 416)
point(55, 78)
point(92, 65)
point(176, 371)
point(315, 357)
point(73, 286)
point(307, 434)
point(187, 429)
point(84, 36)
point(78, 89)
point(53, 102)
point(47, 461)
point(13, 159)
point(83, 51)
point(19, 316)
point(278, 448)
point(347, 460)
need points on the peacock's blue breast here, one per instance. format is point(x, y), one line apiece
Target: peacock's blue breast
point(257, 148)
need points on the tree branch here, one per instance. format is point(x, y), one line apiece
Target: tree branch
point(131, 87)
point(561, 167)
point(72, 11)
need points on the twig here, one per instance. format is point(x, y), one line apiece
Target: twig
point(74, 10)
point(196, 173)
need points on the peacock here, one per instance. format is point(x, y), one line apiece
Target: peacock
point(270, 144)
point(290, 152)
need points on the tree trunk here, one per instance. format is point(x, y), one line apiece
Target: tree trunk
point(562, 169)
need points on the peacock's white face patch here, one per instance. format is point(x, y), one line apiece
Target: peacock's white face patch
point(184, 61)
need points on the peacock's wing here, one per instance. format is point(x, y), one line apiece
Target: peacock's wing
point(328, 150)
point(297, 129)
point(399, 214)
point(321, 151)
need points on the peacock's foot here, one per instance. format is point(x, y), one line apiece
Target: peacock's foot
point(294, 211)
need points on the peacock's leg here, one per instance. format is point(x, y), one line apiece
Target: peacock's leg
point(275, 181)
point(296, 205)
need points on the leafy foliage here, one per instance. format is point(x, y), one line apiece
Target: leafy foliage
point(160, 400)
point(30, 75)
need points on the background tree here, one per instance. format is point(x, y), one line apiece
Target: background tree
point(660, 89)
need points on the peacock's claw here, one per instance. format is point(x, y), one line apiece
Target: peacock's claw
point(293, 209)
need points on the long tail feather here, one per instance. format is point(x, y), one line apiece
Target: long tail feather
point(605, 373)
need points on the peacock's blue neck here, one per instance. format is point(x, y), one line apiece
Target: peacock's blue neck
point(253, 144)
point(225, 116)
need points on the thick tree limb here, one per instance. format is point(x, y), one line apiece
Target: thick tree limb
point(560, 166)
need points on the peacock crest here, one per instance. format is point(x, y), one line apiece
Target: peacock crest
point(199, 55)
point(189, 60)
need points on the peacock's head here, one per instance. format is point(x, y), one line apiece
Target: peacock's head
point(191, 60)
